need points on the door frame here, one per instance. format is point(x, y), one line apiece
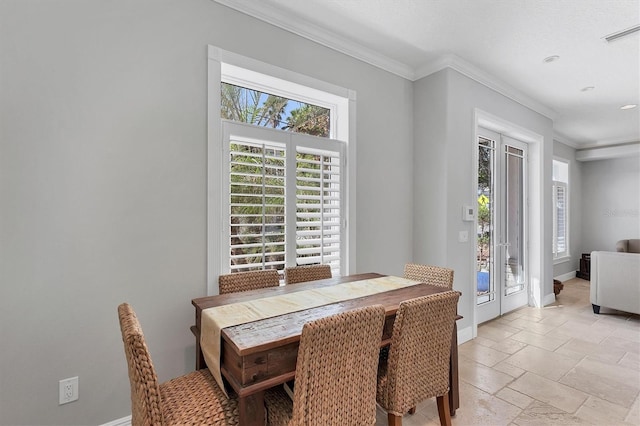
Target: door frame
point(502, 303)
point(535, 209)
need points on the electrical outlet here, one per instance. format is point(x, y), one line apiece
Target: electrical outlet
point(68, 390)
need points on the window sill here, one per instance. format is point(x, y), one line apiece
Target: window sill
point(562, 259)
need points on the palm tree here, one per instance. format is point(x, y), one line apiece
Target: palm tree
point(271, 111)
point(309, 119)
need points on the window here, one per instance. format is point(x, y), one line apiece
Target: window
point(285, 203)
point(267, 110)
point(278, 175)
point(560, 209)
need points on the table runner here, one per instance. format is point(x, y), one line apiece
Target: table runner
point(214, 319)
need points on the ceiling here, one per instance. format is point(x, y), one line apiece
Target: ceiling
point(501, 43)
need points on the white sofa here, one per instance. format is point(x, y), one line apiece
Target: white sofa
point(615, 281)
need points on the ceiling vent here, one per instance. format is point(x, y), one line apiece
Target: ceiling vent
point(623, 33)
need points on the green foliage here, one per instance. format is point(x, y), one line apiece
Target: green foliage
point(485, 212)
point(266, 110)
point(309, 119)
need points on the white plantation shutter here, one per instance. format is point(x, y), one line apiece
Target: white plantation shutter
point(256, 205)
point(318, 207)
point(285, 198)
point(560, 243)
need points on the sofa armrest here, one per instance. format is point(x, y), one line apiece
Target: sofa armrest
point(615, 280)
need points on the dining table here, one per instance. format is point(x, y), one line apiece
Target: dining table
point(257, 355)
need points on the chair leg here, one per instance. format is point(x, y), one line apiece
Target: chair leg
point(443, 409)
point(394, 420)
point(412, 410)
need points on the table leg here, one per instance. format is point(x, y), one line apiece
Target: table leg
point(200, 364)
point(454, 389)
point(251, 410)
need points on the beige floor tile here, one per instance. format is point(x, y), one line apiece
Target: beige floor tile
point(482, 341)
point(428, 408)
point(542, 362)
point(624, 344)
point(512, 315)
point(496, 332)
point(535, 327)
point(482, 354)
point(541, 414)
point(544, 342)
point(601, 412)
point(571, 329)
point(604, 353)
point(630, 360)
point(481, 376)
point(539, 328)
point(508, 346)
point(634, 320)
point(584, 317)
point(550, 392)
point(617, 319)
point(555, 320)
point(578, 356)
point(633, 417)
point(513, 397)
point(503, 321)
point(534, 314)
point(509, 369)
point(480, 408)
point(523, 323)
point(606, 381)
point(607, 326)
point(632, 333)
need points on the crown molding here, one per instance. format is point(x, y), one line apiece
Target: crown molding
point(608, 152)
point(473, 72)
point(321, 36)
point(565, 141)
point(612, 142)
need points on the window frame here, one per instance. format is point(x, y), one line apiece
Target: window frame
point(240, 70)
point(564, 256)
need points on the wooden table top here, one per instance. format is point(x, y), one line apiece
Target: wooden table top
point(256, 336)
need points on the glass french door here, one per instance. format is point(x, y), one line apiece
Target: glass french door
point(501, 267)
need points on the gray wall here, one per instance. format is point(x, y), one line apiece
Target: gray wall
point(103, 185)
point(444, 105)
point(610, 202)
point(564, 152)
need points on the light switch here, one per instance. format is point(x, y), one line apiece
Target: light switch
point(468, 213)
point(463, 236)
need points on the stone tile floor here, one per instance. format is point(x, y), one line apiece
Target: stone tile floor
point(559, 365)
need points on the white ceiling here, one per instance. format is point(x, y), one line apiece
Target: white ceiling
point(502, 43)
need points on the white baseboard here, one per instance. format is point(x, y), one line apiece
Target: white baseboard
point(125, 421)
point(465, 335)
point(549, 299)
point(565, 277)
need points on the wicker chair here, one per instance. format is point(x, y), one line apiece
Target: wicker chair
point(335, 372)
point(299, 274)
point(435, 275)
point(418, 363)
point(244, 281)
point(194, 398)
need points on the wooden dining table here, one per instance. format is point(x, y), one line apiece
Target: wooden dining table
point(262, 354)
